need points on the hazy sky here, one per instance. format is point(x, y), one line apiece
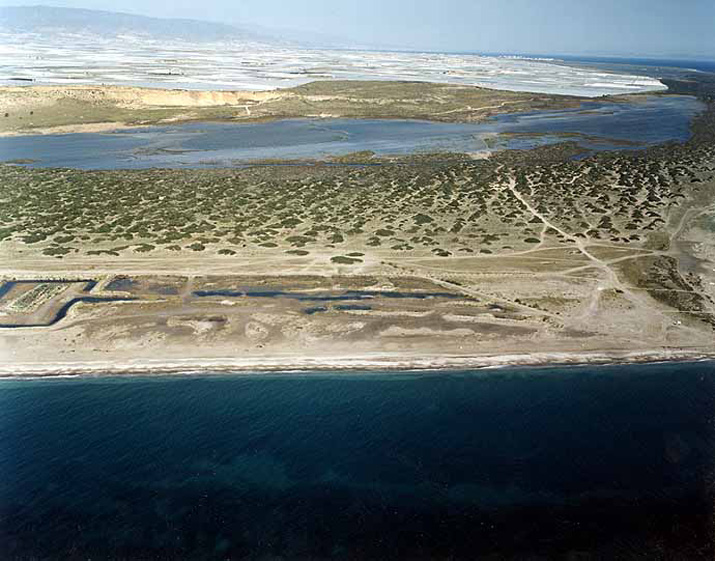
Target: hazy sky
point(635, 27)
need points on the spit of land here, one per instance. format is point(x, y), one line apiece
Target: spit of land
point(443, 260)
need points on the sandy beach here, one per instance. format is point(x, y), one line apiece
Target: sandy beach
point(377, 363)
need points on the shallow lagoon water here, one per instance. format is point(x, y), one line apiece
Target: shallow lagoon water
point(554, 463)
point(63, 310)
point(601, 126)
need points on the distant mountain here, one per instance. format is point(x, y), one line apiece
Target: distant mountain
point(44, 19)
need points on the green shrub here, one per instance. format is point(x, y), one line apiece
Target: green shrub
point(56, 251)
point(342, 260)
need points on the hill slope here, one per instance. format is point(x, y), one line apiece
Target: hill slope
point(49, 20)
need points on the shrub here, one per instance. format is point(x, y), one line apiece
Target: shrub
point(421, 219)
point(34, 237)
point(56, 251)
point(342, 260)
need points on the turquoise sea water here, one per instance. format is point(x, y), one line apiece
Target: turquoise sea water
point(559, 463)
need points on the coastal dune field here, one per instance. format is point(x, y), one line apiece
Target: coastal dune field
point(525, 257)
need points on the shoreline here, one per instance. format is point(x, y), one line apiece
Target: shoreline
point(382, 363)
point(72, 109)
point(79, 128)
point(109, 127)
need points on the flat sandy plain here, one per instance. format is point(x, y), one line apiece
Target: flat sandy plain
point(435, 261)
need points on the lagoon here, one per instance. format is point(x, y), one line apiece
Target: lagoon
point(596, 126)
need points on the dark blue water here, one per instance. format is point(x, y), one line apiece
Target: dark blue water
point(580, 463)
point(601, 123)
point(597, 125)
point(701, 65)
point(614, 62)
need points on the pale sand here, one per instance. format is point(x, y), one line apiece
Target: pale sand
point(381, 362)
point(14, 97)
point(73, 129)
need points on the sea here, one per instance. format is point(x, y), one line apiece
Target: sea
point(572, 463)
point(697, 65)
point(657, 64)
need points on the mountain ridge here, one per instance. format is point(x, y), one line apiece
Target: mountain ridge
point(49, 19)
